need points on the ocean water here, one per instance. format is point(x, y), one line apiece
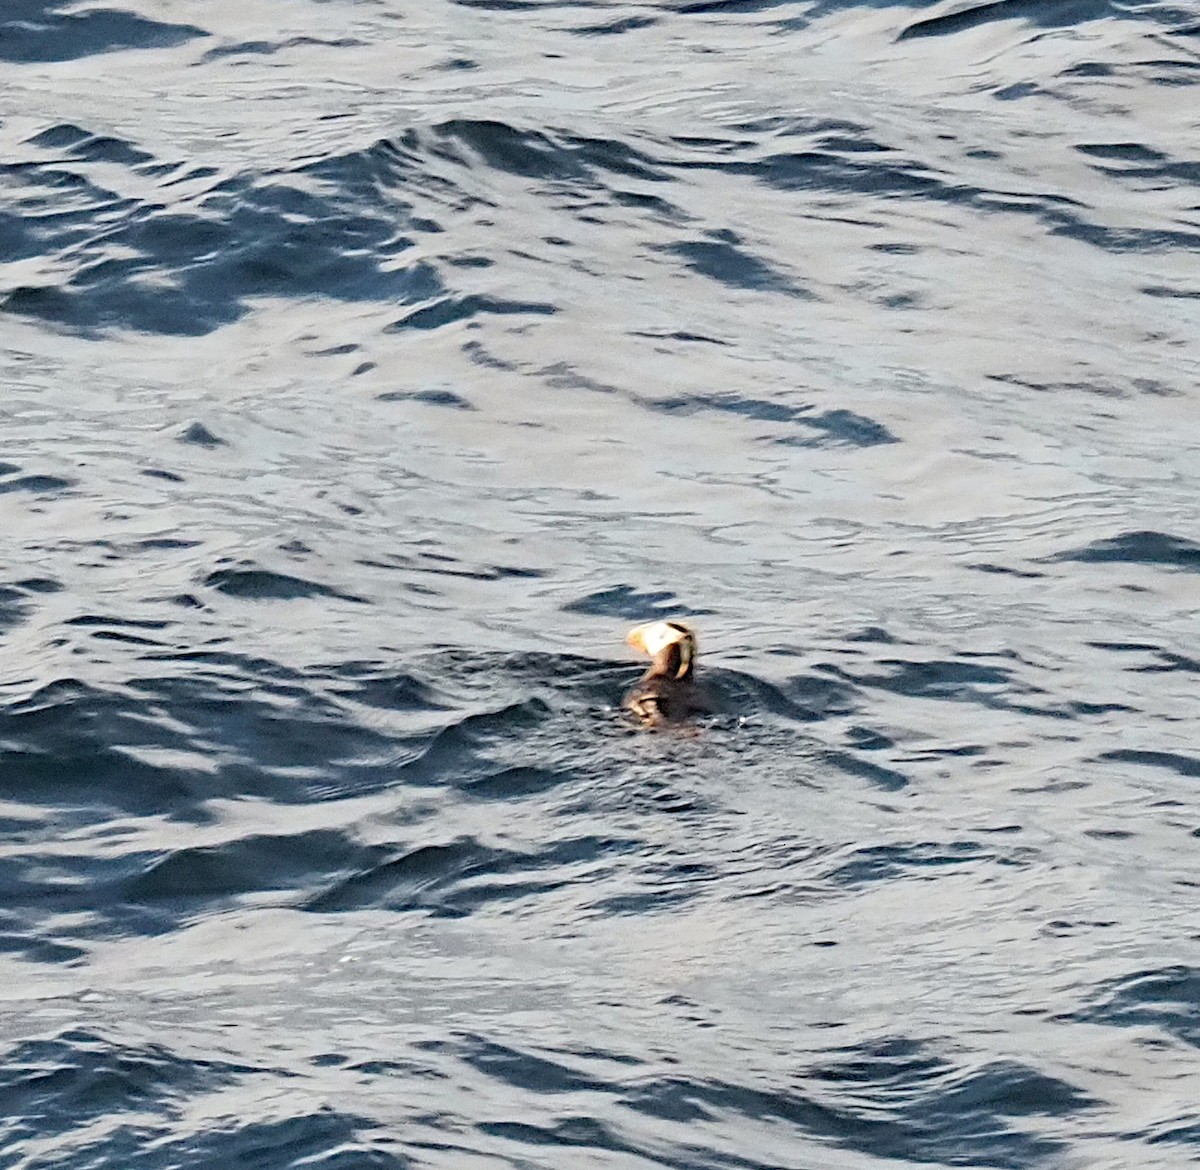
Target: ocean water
point(370, 366)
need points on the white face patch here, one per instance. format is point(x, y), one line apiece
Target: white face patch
point(656, 636)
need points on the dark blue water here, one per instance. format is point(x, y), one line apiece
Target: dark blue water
point(369, 367)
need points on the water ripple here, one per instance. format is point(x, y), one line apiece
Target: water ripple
point(368, 373)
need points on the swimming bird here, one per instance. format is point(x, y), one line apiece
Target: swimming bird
point(667, 692)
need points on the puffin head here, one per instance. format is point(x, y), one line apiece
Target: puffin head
point(672, 641)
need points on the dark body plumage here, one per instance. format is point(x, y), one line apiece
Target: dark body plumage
point(668, 691)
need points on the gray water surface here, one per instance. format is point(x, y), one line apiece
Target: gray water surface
point(370, 367)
